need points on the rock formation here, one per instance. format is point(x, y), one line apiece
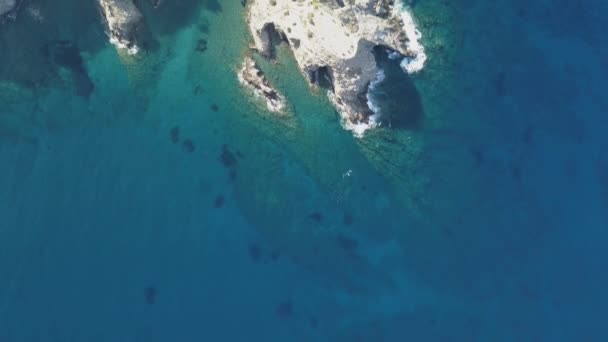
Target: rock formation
point(252, 78)
point(332, 41)
point(6, 6)
point(123, 20)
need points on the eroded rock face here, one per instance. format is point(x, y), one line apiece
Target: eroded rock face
point(6, 6)
point(123, 20)
point(337, 38)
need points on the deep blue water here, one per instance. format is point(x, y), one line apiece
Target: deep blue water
point(149, 198)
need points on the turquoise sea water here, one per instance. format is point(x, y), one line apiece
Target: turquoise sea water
point(150, 198)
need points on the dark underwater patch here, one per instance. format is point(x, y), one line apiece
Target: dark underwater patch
point(275, 255)
point(499, 84)
point(201, 45)
point(316, 216)
point(347, 243)
point(65, 54)
point(447, 231)
point(397, 96)
point(285, 309)
point(477, 155)
point(516, 173)
point(313, 321)
point(348, 219)
point(174, 134)
point(150, 295)
point(232, 175)
point(219, 202)
point(227, 157)
point(255, 252)
point(188, 145)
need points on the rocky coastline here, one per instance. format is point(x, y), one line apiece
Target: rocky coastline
point(333, 42)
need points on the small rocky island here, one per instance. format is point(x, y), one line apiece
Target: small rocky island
point(253, 78)
point(333, 42)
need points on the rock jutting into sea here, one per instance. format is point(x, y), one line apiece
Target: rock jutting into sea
point(6, 7)
point(123, 19)
point(253, 78)
point(333, 40)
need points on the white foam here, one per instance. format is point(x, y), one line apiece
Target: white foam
point(132, 50)
point(411, 63)
point(373, 121)
point(250, 68)
point(373, 85)
point(414, 63)
point(358, 128)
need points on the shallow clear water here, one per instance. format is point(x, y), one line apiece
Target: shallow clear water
point(150, 198)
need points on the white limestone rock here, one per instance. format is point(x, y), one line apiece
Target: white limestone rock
point(123, 20)
point(334, 39)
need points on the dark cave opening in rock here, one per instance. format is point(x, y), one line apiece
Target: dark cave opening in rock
point(272, 37)
point(322, 77)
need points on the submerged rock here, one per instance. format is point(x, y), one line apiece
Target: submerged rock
point(150, 295)
point(255, 252)
point(285, 309)
point(65, 54)
point(316, 217)
point(201, 45)
point(123, 20)
point(251, 77)
point(219, 201)
point(332, 42)
point(188, 145)
point(174, 134)
point(227, 158)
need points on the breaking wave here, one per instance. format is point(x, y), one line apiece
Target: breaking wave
point(415, 61)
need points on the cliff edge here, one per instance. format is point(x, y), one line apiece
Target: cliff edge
point(333, 42)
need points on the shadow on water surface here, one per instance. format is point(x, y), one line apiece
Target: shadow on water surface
point(66, 54)
point(39, 25)
point(397, 96)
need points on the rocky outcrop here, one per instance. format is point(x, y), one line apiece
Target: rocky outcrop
point(6, 7)
point(333, 40)
point(123, 21)
point(251, 77)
